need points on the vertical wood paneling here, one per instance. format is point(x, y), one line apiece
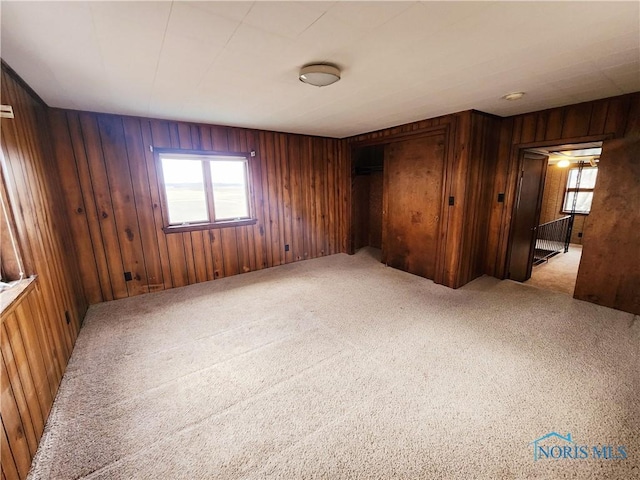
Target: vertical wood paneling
point(39, 328)
point(143, 200)
point(99, 183)
point(91, 212)
point(120, 187)
point(297, 188)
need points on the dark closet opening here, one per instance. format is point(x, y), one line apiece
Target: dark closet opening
point(366, 191)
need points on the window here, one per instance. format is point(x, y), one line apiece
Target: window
point(204, 190)
point(582, 192)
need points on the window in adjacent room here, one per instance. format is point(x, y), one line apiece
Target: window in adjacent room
point(204, 190)
point(583, 190)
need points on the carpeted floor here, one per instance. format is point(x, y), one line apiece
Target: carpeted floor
point(559, 273)
point(342, 368)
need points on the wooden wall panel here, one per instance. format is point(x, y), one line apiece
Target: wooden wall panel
point(476, 198)
point(297, 184)
point(610, 267)
point(39, 327)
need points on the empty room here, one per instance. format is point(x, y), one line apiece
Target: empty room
point(320, 240)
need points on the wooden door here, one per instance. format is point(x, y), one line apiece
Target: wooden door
point(412, 198)
point(527, 215)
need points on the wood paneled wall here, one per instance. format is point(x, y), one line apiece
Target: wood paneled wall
point(113, 200)
point(609, 272)
point(39, 329)
point(471, 140)
point(472, 176)
point(604, 119)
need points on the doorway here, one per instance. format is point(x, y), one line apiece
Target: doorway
point(366, 191)
point(554, 200)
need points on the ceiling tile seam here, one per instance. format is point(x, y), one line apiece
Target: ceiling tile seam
point(613, 82)
point(94, 34)
point(155, 74)
point(313, 23)
point(213, 61)
point(409, 5)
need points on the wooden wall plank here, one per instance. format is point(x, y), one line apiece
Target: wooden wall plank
point(75, 205)
point(123, 200)
point(13, 424)
point(30, 375)
point(93, 215)
point(253, 142)
point(9, 467)
point(13, 380)
point(576, 120)
point(617, 115)
point(554, 124)
point(295, 186)
point(102, 193)
point(529, 126)
point(143, 200)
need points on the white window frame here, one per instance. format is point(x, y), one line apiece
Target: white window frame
point(206, 157)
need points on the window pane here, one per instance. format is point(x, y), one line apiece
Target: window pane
point(583, 204)
point(587, 180)
point(230, 196)
point(184, 184)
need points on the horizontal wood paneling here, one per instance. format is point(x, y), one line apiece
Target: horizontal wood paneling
point(38, 330)
point(605, 119)
point(113, 199)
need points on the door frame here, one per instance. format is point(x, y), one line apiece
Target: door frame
point(521, 159)
point(513, 185)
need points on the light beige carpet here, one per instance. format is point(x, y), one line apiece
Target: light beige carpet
point(342, 368)
point(559, 273)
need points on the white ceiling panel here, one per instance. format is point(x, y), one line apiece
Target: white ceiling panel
point(288, 19)
point(237, 63)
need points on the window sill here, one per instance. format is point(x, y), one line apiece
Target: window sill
point(208, 226)
point(10, 297)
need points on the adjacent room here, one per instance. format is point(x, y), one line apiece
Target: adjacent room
point(339, 240)
point(566, 196)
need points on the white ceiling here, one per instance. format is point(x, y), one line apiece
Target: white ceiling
point(236, 63)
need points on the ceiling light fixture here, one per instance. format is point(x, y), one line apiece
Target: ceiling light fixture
point(319, 75)
point(513, 96)
point(564, 163)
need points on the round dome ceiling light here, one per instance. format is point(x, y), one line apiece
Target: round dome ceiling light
point(513, 96)
point(319, 75)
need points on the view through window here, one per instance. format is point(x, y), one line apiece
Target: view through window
point(205, 189)
point(583, 190)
